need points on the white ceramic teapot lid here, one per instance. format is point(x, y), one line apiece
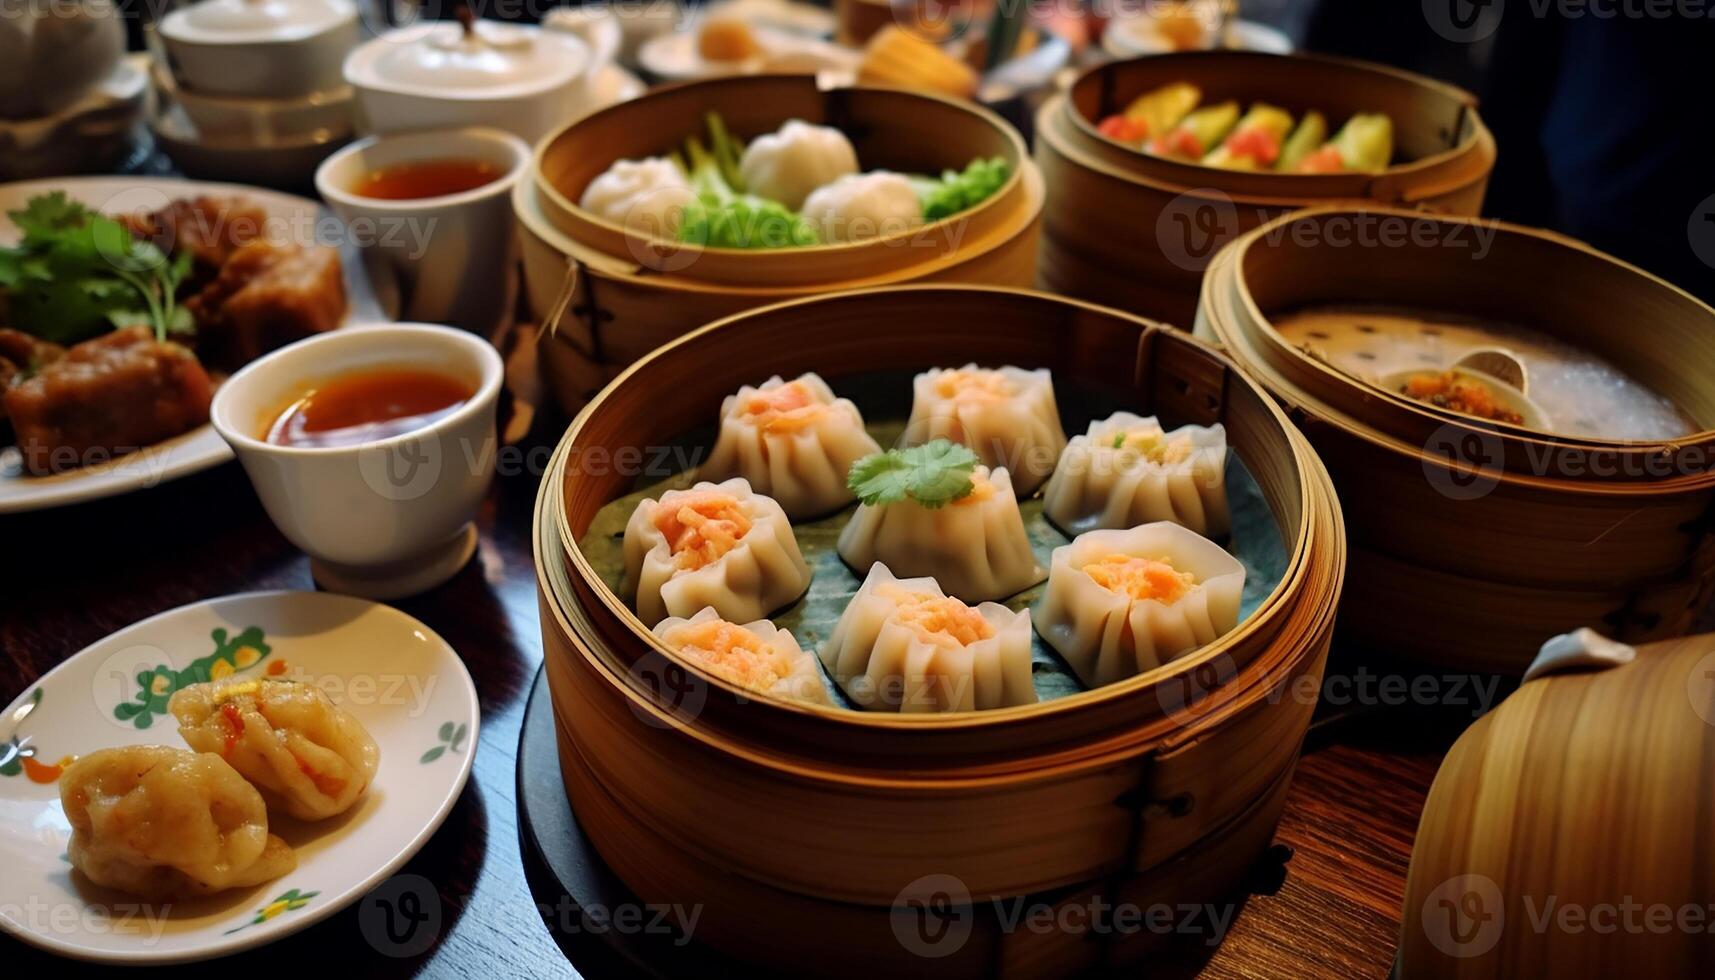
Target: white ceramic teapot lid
point(249, 21)
point(491, 60)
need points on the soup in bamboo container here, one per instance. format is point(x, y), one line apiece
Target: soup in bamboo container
point(1584, 495)
point(1570, 831)
point(813, 833)
point(1136, 231)
point(623, 293)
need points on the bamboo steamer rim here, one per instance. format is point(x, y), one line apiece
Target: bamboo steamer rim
point(1319, 544)
point(597, 263)
point(1061, 764)
point(1018, 160)
point(1322, 414)
point(1475, 147)
point(1268, 350)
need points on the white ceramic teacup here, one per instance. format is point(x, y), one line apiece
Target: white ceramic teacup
point(382, 519)
point(455, 256)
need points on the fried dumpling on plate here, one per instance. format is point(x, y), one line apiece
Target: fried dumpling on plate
point(1128, 471)
point(1123, 602)
point(164, 823)
point(905, 645)
point(310, 758)
point(793, 441)
point(1007, 415)
point(716, 544)
point(757, 656)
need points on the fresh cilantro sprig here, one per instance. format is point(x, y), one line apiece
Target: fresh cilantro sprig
point(934, 474)
point(76, 273)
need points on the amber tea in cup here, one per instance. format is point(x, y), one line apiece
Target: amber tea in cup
point(366, 406)
point(418, 179)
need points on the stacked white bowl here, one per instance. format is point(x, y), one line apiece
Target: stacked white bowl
point(258, 76)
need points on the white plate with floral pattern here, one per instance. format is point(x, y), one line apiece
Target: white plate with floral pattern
point(401, 680)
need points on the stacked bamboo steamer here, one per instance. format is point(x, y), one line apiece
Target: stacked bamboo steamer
point(806, 833)
point(1571, 831)
point(613, 294)
point(1488, 538)
point(1136, 231)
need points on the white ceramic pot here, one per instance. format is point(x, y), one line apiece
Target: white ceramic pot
point(381, 519)
point(275, 49)
point(522, 79)
point(52, 54)
point(453, 256)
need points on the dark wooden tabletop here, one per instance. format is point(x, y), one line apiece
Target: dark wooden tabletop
point(74, 575)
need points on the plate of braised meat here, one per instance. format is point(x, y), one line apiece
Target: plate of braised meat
point(124, 302)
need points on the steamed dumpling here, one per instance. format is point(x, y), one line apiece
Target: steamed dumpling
point(716, 544)
point(1123, 602)
point(904, 645)
point(647, 196)
point(309, 757)
point(859, 206)
point(1127, 471)
point(163, 823)
point(786, 165)
point(793, 441)
point(757, 656)
point(976, 547)
point(1007, 415)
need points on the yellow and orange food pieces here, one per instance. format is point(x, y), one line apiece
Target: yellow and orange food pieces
point(1459, 393)
point(727, 39)
point(700, 526)
point(1140, 578)
point(788, 408)
point(1154, 445)
point(728, 651)
point(941, 620)
point(974, 386)
point(982, 489)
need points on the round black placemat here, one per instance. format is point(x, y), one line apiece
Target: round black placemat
point(601, 926)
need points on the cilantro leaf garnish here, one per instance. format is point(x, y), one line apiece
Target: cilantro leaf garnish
point(77, 273)
point(933, 475)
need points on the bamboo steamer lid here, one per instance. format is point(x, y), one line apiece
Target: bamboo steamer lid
point(614, 295)
point(1117, 791)
point(1136, 231)
point(1569, 831)
point(1488, 537)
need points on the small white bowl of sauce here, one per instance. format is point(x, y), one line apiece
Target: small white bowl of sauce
point(371, 448)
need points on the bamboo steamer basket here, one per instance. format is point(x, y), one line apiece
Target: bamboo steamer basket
point(1135, 231)
point(1491, 548)
point(1588, 791)
point(799, 828)
point(612, 295)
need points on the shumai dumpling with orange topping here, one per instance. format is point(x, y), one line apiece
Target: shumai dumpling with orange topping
point(164, 823)
point(794, 441)
point(1007, 415)
point(905, 645)
point(1123, 602)
point(310, 758)
point(757, 656)
point(1127, 471)
point(932, 510)
point(720, 545)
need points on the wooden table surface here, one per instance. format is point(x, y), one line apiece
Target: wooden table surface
point(77, 574)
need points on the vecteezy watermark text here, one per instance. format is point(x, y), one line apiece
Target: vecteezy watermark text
point(1194, 226)
point(934, 916)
